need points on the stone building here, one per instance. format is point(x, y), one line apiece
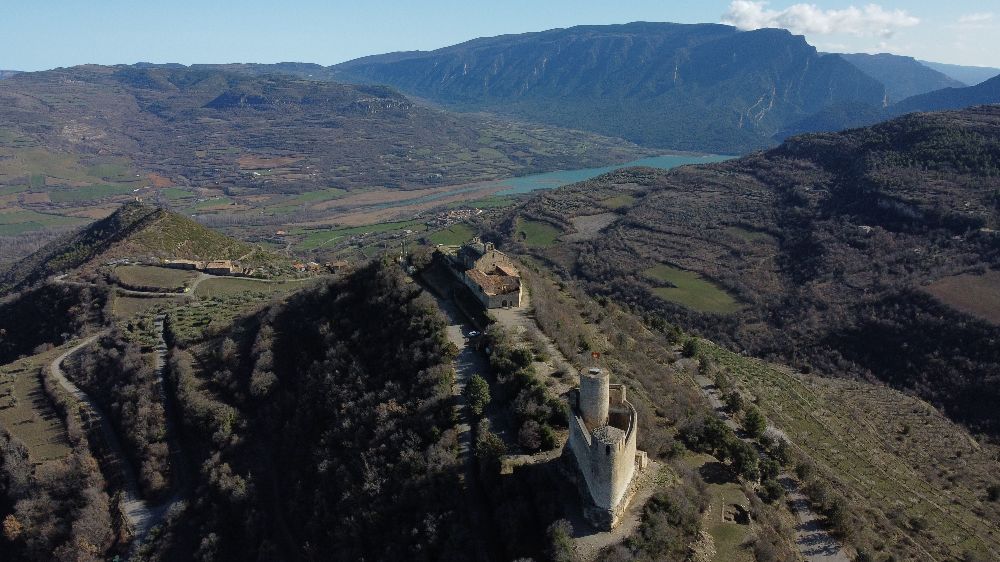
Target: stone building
point(489, 274)
point(602, 442)
point(221, 267)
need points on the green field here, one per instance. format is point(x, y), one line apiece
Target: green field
point(10, 221)
point(230, 286)
point(211, 203)
point(691, 290)
point(12, 189)
point(175, 193)
point(152, 276)
point(454, 235)
point(112, 170)
point(618, 201)
point(88, 193)
point(537, 234)
point(40, 164)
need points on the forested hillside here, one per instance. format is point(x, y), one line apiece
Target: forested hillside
point(323, 425)
point(847, 253)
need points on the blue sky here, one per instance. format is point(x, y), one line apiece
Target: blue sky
point(41, 34)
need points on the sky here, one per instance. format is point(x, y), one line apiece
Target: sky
point(43, 34)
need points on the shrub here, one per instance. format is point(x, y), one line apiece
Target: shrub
point(771, 491)
point(477, 392)
point(690, 348)
point(560, 535)
point(754, 422)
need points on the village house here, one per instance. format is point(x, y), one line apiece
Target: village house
point(221, 267)
point(338, 266)
point(183, 264)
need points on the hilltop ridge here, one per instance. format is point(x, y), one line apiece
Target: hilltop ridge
point(135, 230)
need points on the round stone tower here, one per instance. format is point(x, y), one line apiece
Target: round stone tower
point(594, 397)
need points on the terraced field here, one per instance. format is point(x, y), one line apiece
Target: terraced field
point(917, 480)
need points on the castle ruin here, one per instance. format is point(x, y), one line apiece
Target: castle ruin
point(602, 439)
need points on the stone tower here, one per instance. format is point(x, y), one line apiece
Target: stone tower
point(595, 393)
point(602, 443)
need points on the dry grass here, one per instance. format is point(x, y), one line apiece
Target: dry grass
point(154, 277)
point(978, 295)
point(25, 410)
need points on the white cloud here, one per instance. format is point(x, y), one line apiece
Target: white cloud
point(868, 21)
point(981, 17)
point(981, 20)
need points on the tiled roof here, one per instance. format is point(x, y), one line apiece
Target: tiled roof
point(494, 284)
point(508, 270)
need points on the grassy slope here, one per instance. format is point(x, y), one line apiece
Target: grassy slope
point(31, 418)
point(691, 290)
point(134, 231)
point(893, 455)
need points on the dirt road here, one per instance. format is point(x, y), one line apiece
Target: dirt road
point(141, 515)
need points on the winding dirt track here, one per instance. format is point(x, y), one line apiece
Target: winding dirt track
point(142, 516)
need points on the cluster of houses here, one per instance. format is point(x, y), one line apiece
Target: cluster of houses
point(452, 216)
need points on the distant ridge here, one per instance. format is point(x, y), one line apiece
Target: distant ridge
point(985, 93)
point(902, 76)
point(968, 75)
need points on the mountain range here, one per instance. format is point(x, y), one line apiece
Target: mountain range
point(693, 87)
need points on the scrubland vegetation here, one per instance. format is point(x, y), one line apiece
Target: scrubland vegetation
point(828, 244)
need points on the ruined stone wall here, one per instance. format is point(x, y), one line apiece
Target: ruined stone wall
point(490, 260)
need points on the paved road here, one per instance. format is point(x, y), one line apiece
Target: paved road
point(812, 539)
point(141, 515)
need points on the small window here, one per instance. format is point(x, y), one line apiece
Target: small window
point(607, 449)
